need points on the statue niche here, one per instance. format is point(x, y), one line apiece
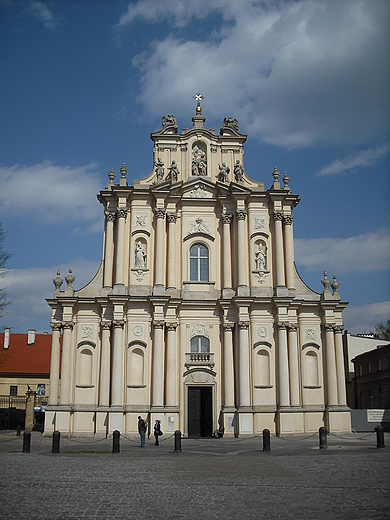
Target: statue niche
point(140, 259)
point(199, 160)
point(260, 259)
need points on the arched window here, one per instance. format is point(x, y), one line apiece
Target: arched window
point(200, 344)
point(199, 263)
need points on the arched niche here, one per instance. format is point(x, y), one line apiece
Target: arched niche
point(262, 366)
point(85, 362)
point(135, 364)
point(311, 366)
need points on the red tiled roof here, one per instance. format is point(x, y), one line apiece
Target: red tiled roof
point(21, 358)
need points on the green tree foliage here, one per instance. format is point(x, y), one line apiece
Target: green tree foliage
point(4, 256)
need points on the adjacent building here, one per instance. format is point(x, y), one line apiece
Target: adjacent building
point(197, 315)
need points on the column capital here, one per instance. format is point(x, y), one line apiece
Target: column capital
point(158, 324)
point(159, 213)
point(243, 324)
point(278, 215)
point(105, 324)
point(67, 325)
point(292, 327)
point(171, 217)
point(288, 219)
point(110, 216)
point(171, 326)
point(118, 324)
point(226, 219)
point(228, 326)
point(329, 327)
point(55, 325)
point(241, 214)
point(282, 325)
point(338, 329)
point(121, 212)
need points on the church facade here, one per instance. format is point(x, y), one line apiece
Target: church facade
point(197, 315)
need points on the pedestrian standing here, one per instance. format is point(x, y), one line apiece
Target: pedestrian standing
point(142, 430)
point(157, 431)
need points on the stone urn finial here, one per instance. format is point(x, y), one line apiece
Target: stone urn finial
point(70, 279)
point(123, 171)
point(335, 286)
point(286, 180)
point(325, 282)
point(58, 281)
point(111, 176)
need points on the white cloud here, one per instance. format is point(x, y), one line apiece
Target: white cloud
point(367, 252)
point(29, 287)
point(41, 12)
point(51, 193)
point(363, 318)
point(295, 73)
point(362, 158)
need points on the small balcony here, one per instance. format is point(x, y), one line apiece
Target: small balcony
point(199, 359)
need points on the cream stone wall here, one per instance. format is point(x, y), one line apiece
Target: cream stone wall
point(235, 342)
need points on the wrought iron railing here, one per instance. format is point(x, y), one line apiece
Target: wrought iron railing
point(13, 401)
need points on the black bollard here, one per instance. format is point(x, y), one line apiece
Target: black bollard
point(380, 436)
point(177, 441)
point(116, 441)
point(26, 442)
point(55, 447)
point(266, 440)
point(18, 430)
point(323, 440)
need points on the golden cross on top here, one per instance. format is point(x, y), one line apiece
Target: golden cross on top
point(198, 97)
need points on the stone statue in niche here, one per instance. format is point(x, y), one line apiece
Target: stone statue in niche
point(238, 172)
point(260, 259)
point(140, 256)
point(173, 172)
point(224, 171)
point(159, 169)
point(199, 163)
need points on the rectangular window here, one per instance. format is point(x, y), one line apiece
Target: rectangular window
point(360, 370)
point(369, 368)
point(379, 365)
point(13, 391)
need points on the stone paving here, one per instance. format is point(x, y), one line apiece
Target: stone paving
point(211, 478)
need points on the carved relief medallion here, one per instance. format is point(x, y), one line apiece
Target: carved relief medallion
point(310, 334)
point(259, 223)
point(86, 331)
point(262, 332)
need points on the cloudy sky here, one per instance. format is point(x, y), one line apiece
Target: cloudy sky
point(83, 83)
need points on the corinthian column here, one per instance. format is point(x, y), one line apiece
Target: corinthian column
point(242, 248)
point(341, 390)
point(67, 327)
point(120, 247)
point(109, 248)
point(171, 282)
point(158, 364)
point(331, 378)
point(104, 387)
point(284, 390)
point(279, 253)
point(244, 383)
point(170, 382)
point(227, 255)
point(228, 365)
point(289, 250)
point(55, 363)
point(117, 363)
point(293, 364)
point(159, 253)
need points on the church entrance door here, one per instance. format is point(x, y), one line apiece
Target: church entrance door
point(200, 411)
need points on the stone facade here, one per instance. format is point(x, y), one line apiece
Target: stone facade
point(197, 316)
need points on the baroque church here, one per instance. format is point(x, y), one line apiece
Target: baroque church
point(197, 315)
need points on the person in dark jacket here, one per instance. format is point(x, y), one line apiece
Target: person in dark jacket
point(157, 431)
point(142, 430)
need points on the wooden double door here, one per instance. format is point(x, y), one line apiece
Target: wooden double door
point(200, 411)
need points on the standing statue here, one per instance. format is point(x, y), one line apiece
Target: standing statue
point(199, 163)
point(140, 256)
point(224, 171)
point(238, 172)
point(260, 259)
point(173, 172)
point(159, 169)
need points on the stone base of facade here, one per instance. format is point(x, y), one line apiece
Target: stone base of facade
point(290, 420)
point(337, 419)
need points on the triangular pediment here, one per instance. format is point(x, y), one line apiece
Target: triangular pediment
point(199, 188)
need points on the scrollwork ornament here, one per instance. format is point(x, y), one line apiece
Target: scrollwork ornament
point(158, 324)
point(278, 215)
point(159, 213)
point(172, 217)
point(228, 326)
point(338, 329)
point(292, 327)
point(288, 219)
point(67, 325)
point(110, 216)
point(118, 324)
point(171, 326)
point(226, 219)
point(329, 327)
point(121, 212)
point(282, 325)
point(55, 325)
point(241, 214)
point(243, 325)
point(105, 324)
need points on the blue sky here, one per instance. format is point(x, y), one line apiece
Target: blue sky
point(84, 83)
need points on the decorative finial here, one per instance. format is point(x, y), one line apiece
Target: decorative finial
point(198, 97)
point(335, 285)
point(111, 176)
point(275, 174)
point(57, 282)
point(325, 282)
point(70, 279)
point(286, 180)
point(123, 171)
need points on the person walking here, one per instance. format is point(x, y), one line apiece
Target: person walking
point(142, 430)
point(157, 431)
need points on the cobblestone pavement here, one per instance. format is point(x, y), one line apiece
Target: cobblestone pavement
point(211, 478)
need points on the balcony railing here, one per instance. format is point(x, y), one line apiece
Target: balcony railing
point(199, 359)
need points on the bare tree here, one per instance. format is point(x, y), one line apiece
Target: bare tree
point(4, 256)
point(382, 330)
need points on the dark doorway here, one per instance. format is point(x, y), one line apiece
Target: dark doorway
point(200, 411)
